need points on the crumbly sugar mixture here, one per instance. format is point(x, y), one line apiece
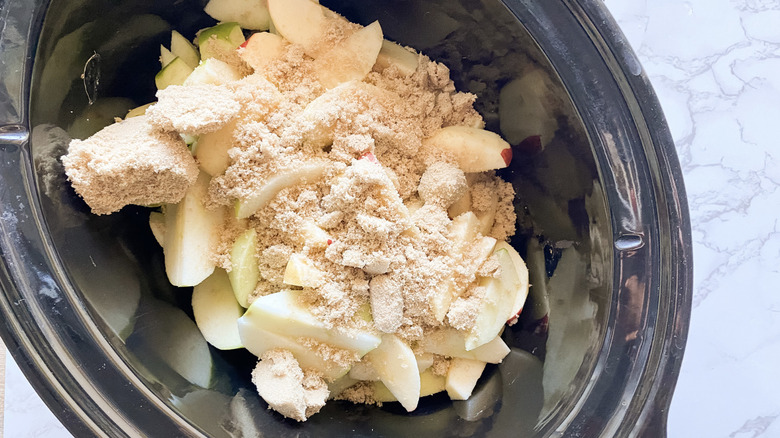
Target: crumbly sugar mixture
point(372, 216)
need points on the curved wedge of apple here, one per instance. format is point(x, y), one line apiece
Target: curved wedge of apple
point(249, 14)
point(213, 71)
point(305, 172)
point(282, 313)
point(525, 108)
point(462, 377)
point(211, 148)
point(499, 301)
point(245, 272)
point(393, 54)
point(258, 341)
point(396, 366)
point(352, 59)
point(521, 292)
point(261, 49)
point(216, 311)
point(475, 149)
point(299, 21)
point(429, 384)
point(450, 342)
point(191, 234)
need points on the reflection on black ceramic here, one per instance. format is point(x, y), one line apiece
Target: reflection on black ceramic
point(596, 349)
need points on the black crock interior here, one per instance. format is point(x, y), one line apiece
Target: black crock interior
point(595, 214)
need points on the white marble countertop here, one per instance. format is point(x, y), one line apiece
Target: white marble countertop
point(715, 65)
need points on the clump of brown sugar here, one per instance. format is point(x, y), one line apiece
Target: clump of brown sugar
point(130, 162)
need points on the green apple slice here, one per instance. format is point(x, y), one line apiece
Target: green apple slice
point(211, 148)
point(396, 366)
point(217, 311)
point(462, 377)
point(184, 49)
point(474, 149)
point(245, 272)
point(352, 59)
point(249, 14)
point(452, 343)
point(165, 56)
point(219, 39)
point(157, 225)
point(262, 49)
point(429, 384)
point(258, 340)
point(303, 173)
point(175, 73)
point(191, 234)
point(393, 54)
point(521, 293)
point(300, 271)
point(495, 308)
point(213, 71)
point(299, 21)
point(282, 313)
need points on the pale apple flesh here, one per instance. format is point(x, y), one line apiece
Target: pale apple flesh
point(352, 59)
point(475, 149)
point(396, 366)
point(191, 233)
point(245, 273)
point(216, 311)
point(310, 171)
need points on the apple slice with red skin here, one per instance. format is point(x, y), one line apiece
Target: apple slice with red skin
point(475, 149)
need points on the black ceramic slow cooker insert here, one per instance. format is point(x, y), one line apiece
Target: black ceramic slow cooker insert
point(90, 318)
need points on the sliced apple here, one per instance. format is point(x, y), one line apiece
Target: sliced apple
point(175, 73)
point(393, 54)
point(363, 370)
point(476, 150)
point(429, 384)
point(184, 49)
point(249, 14)
point(521, 294)
point(282, 313)
point(338, 386)
point(211, 149)
point(258, 340)
point(138, 111)
point(495, 309)
point(304, 173)
point(191, 234)
point(350, 60)
point(300, 271)
point(396, 365)
point(313, 236)
point(462, 377)
point(301, 22)
point(216, 311)
point(220, 39)
point(213, 71)
point(424, 361)
point(452, 343)
point(165, 56)
point(261, 49)
point(488, 216)
point(245, 272)
point(462, 205)
point(157, 225)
